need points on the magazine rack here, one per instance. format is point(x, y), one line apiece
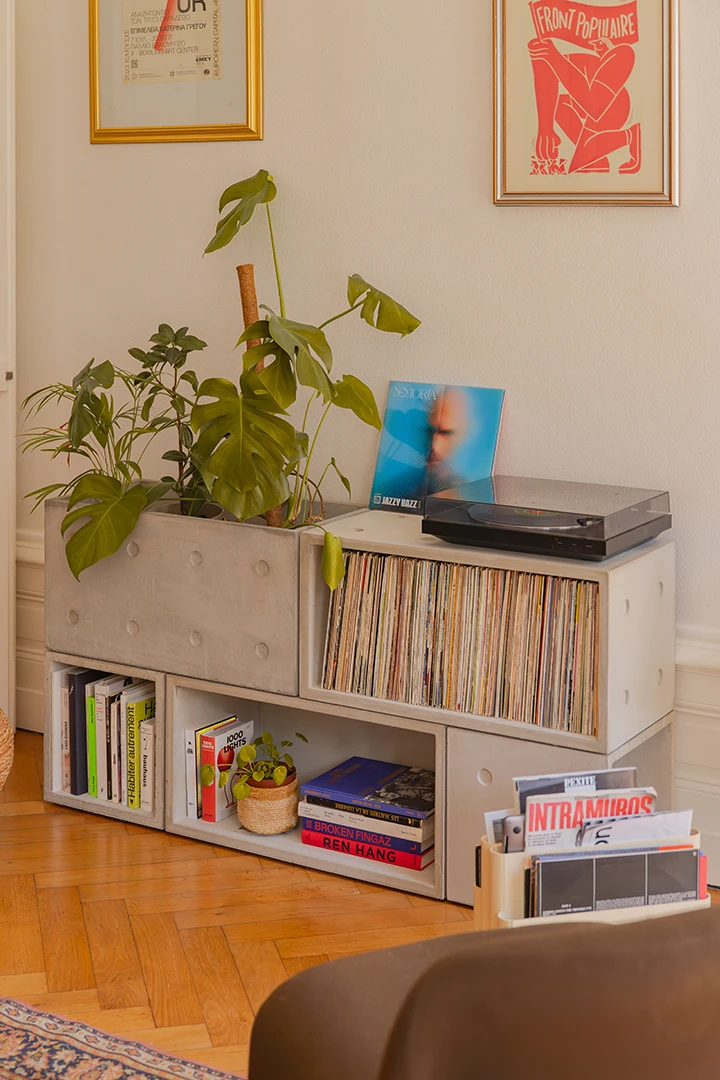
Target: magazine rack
point(499, 899)
point(474, 757)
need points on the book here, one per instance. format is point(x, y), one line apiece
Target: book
point(554, 822)
point(380, 785)
point(115, 754)
point(434, 437)
point(333, 815)
point(192, 764)
point(61, 714)
point(582, 882)
point(218, 749)
point(77, 681)
point(139, 705)
point(367, 836)
point(369, 812)
point(571, 783)
point(91, 739)
point(642, 828)
point(104, 689)
point(147, 765)
point(369, 851)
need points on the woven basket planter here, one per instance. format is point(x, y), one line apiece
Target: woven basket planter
point(270, 809)
point(7, 748)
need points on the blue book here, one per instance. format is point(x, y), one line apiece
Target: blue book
point(366, 836)
point(380, 785)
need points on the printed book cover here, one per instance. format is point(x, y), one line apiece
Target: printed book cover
point(434, 437)
point(378, 784)
point(367, 836)
point(369, 851)
point(218, 755)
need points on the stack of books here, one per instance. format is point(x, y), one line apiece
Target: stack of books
point(211, 766)
point(471, 639)
point(595, 842)
point(107, 736)
point(372, 810)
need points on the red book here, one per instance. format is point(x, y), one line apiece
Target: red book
point(369, 851)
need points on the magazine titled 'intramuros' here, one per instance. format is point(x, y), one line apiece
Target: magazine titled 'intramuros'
point(553, 822)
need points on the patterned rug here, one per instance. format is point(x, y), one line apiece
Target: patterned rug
point(36, 1046)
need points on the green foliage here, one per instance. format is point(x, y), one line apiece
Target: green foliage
point(333, 563)
point(379, 309)
point(263, 760)
point(247, 194)
point(112, 437)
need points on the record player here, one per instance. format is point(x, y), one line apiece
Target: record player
point(547, 517)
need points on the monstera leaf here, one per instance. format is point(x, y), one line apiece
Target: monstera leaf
point(351, 393)
point(333, 563)
point(247, 194)
point(243, 442)
point(302, 355)
point(112, 516)
point(379, 309)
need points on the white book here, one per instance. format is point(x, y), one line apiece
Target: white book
point(191, 774)
point(103, 691)
point(147, 764)
point(61, 717)
point(424, 834)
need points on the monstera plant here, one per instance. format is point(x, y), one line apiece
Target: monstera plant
point(232, 444)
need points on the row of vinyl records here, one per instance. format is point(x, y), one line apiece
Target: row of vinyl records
point(107, 736)
point(594, 841)
point(478, 640)
point(373, 810)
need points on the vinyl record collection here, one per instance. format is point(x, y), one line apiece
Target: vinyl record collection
point(488, 642)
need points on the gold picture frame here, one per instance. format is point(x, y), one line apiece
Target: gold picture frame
point(564, 166)
point(248, 127)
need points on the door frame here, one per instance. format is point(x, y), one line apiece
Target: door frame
point(8, 403)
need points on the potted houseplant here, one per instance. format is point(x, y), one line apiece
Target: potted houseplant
point(183, 594)
point(265, 785)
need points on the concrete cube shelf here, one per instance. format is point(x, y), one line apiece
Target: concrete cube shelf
point(206, 598)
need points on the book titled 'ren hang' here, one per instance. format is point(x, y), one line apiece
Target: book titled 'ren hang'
point(554, 822)
point(380, 785)
point(369, 851)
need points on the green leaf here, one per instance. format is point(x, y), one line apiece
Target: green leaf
point(271, 490)
point(241, 440)
point(267, 738)
point(254, 331)
point(279, 380)
point(247, 194)
point(112, 517)
point(207, 775)
point(299, 735)
point(280, 775)
point(303, 337)
point(158, 491)
point(223, 778)
point(289, 760)
point(380, 310)
point(87, 409)
point(247, 753)
point(286, 742)
point(333, 563)
point(252, 357)
point(240, 792)
point(351, 393)
point(190, 343)
point(138, 354)
point(345, 481)
point(258, 776)
point(174, 455)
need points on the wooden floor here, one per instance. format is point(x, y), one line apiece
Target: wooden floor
point(170, 941)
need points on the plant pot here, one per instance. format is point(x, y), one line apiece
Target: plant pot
point(269, 809)
point(205, 598)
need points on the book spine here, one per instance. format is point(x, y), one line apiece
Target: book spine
point(111, 782)
point(115, 750)
point(369, 851)
point(367, 812)
point(191, 774)
point(355, 802)
point(133, 733)
point(101, 744)
point(122, 736)
point(363, 836)
point(65, 737)
point(147, 765)
point(210, 794)
point(78, 740)
point(418, 835)
point(91, 720)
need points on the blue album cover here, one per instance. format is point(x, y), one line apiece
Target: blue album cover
point(434, 437)
point(379, 785)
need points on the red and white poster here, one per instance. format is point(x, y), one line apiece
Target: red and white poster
point(586, 101)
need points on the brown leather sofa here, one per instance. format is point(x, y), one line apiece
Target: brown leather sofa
point(567, 1002)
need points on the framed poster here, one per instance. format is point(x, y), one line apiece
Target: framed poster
point(175, 70)
point(586, 102)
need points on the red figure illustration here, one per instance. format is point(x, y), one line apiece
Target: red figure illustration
point(166, 26)
point(584, 95)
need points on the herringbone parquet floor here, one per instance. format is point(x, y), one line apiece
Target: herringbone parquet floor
point(170, 941)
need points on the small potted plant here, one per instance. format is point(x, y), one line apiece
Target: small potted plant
point(266, 786)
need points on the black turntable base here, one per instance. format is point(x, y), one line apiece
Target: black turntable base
point(547, 517)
